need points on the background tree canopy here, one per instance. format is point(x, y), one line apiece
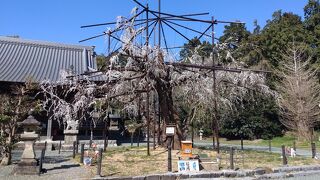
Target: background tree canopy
point(263, 48)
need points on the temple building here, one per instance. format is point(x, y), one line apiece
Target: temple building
point(24, 60)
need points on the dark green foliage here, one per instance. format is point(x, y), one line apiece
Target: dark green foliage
point(257, 118)
point(234, 34)
point(312, 15)
point(188, 48)
point(264, 48)
point(101, 62)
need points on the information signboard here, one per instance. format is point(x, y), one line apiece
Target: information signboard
point(188, 165)
point(170, 130)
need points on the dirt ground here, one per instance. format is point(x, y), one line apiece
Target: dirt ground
point(126, 161)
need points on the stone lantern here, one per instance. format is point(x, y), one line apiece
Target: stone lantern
point(28, 163)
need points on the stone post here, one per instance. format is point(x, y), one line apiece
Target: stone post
point(69, 137)
point(49, 136)
point(70, 134)
point(28, 163)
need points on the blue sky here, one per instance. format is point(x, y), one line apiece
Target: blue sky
point(60, 20)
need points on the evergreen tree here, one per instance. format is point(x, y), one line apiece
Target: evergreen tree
point(204, 48)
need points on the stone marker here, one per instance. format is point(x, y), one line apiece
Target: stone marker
point(28, 163)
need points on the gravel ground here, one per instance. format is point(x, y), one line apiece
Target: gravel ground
point(58, 166)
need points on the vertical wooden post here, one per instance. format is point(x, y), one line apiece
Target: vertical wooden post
point(99, 162)
point(269, 145)
point(313, 150)
point(192, 132)
point(147, 105)
point(138, 139)
point(169, 155)
point(284, 157)
point(41, 161)
point(213, 123)
point(45, 145)
point(159, 125)
point(91, 134)
point(294, 146)
point(59, 146)
point(108, 126)
point(159, 45)
point(77, 146)
point(154, 120)
point(215, 94)
point(81, 153)
point(74, 149)
point(231, 158)
point(105, 137)
point(241, 143)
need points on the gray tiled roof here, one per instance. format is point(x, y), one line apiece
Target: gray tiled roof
point(22, 59)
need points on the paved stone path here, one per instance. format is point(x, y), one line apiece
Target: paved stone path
point(58, 166)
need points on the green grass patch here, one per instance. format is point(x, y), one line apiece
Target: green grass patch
point(286, 140)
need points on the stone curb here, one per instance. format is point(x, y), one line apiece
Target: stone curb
point(297, 168)
point(260, 173)
point(173, 176)
point(283, 175)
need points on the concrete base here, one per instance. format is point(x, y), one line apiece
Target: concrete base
point(49, 145)
point(67, 147)
point(70, 136)
point(26, 167)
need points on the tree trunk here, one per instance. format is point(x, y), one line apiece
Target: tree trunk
point(6, 153)
point(168, 112)
point(6, 159)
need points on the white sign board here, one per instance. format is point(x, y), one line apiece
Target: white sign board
point(170, 130)
point(188, 165)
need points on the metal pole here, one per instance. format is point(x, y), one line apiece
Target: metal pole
point(159, 24)
point(81, 153)
point(99, 163)
point(147, 105)
point(109, 44)
point(231, 158)
point(313, 150)
point(284, 157)
point(169, 155)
